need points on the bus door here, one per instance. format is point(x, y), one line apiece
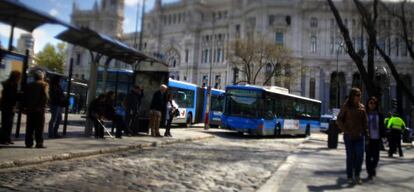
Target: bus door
point(269, 116)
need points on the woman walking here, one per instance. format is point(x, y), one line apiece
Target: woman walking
point(376, 132)
point(352, 120)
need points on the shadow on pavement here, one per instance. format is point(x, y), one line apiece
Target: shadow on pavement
point(341, 183)
point(237, 135)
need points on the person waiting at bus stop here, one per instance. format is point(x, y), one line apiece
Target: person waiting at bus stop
point(95, 114)
point(110, 114)
point(352, 120)
point(34, 103)
point(57, 103)
point(132, 104)
point(8, 104)
point(172, 111)
point(395, 126)
point(157, 108)
point(376, 132)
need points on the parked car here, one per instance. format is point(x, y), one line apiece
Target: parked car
point(408, 135)
point(325, 120)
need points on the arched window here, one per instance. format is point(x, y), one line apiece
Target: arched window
point(173, 58)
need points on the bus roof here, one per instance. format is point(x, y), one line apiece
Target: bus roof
point(270, 90)
point(181, 82)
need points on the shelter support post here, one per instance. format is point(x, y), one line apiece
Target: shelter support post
point(68, 90)
point(11, 38)
point(22, 87)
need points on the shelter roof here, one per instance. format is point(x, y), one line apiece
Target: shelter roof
point(17, 14)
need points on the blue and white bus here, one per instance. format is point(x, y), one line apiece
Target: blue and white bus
point(216, 107)
point(188, 97)
point(269, 111)
point(192, 101)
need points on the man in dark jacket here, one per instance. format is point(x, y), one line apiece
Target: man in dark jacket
point(35, 101)
point(57, 102)
point(95, 114)
point(8, 104)
point(158, 106)
point(132, 104)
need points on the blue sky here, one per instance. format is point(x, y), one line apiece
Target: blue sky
point(62, 10)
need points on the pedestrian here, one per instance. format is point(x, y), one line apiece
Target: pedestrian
point(132, 104)
point(352, 120)
point(172, 111)
point(110, 114)
point(157, 107)
point(35, 101)
point(56, 103)
point(395, 127)
point(95, 114)
point(376, 132)
point(8, 106)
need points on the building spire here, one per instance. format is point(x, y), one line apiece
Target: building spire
point(74, 6)
point(158, 4)
point(95, 5)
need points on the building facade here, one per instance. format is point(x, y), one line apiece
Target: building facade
point(194, 37)
point(106, 17)
point(26, 42)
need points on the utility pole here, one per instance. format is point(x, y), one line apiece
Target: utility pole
point(207, 115)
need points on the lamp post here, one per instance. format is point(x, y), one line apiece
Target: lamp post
point(338, 103)
point(207, 120)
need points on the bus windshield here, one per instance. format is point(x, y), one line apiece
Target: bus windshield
point(245, 103)
point(217, 103)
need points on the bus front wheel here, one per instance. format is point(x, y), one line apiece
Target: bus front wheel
point(189, 120)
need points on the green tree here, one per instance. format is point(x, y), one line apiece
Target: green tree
point(53, 58)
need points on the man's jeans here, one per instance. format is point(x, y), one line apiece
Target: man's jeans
point(55, 119)
point(354, 155)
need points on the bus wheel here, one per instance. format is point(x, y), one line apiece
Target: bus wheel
point(189, 120)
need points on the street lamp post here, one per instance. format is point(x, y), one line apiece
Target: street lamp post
point(338, 91)
point(207, 120)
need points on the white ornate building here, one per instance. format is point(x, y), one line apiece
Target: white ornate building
point(194, 35)
point(183, 33)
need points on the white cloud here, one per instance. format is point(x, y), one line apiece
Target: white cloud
point(132, 2)
point(53, 12)
point(40, 37)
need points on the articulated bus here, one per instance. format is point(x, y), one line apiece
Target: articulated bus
point(192, 101)
point(216, 107)
point(187, 96)
point(269, 111)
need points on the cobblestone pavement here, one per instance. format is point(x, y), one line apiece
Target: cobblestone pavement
point(229, 162)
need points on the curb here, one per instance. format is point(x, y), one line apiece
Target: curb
point(72, 155)
point(276, 180)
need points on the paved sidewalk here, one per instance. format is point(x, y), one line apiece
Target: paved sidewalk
point(314, 167)
point(76, 144)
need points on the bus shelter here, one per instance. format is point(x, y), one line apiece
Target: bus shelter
point(16, 14)
point(149, 72)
